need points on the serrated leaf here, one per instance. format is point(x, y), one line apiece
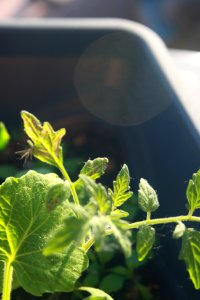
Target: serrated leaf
point(4, 136)
point(144, 241)
point(193, 192)
point(179, 230)
point(46, 141)
point(95, 168)
point(98, 192)
point(190, 253)
point(121, 188)
point(147, 197)
point(26, 226)
point(96, 294)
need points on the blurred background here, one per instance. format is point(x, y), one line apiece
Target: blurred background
point(176, 21)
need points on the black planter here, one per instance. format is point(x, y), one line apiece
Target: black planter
point(117, 76)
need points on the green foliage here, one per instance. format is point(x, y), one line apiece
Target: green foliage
point(4, 136)
point(145, 239)
point(98, 193)
point(57, 194)
point(95, 168)
point(121, 187)
point(25, 228)
point(96, 294)
point(45, 238)
point(46, 142)
point(112, 283)
point(147, 197)
point(190, 253)
point(193, 192)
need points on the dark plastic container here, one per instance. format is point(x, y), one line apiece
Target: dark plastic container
point(116, 75)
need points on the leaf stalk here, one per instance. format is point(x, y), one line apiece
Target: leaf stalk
point(7, 281)
point(148, 221)
point(71, 184)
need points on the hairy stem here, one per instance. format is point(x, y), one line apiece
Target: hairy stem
point(7, 281)
point(148, 221)
point(72, 186)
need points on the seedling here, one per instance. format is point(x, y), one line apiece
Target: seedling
point(47, 227)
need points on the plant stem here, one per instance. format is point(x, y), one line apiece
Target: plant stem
point(72, 187)
point(148, 221)
point(7, 281)
point(163, 221)
point(148, 216)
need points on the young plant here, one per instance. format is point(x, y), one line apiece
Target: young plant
point(48, 224)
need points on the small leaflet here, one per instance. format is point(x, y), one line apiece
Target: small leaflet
point(95, 168)
point(145, 239)
point(121, 189)
point(147, 197)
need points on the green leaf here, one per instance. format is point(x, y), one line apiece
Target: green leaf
point(147, 197)
point(46, 141)
point(95, 168)
point(121, 187)
point(190, 253)
point(122, 235)
point(179, 230)
point(193, 192)
point(25, 228)
point(96, 294)
point(4, 136)
point(144, 241)
point(98, 192)
point(112, 283)
point(57, 194)
point(118, 214)
point(73, 230)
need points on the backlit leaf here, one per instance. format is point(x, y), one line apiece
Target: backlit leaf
point(98, 192)
point(25, 228)
point(121, 188)
point(193, 192)
point(190, 253)
point(95, 168)
point(144, 241)
point(73, 230)
point(147, 197)
point(4, 136)
point(46, 141)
